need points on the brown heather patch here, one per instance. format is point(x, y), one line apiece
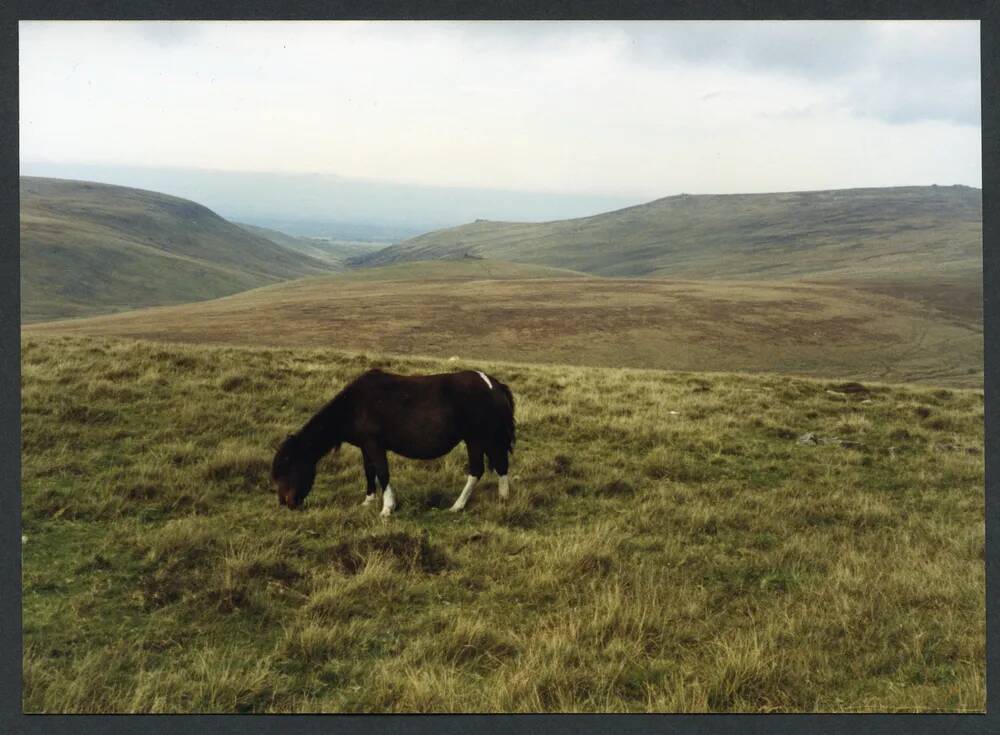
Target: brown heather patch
point(846, 331)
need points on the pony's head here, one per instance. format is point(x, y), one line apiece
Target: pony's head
point(294, 471)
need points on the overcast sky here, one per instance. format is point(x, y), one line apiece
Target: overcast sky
point(637, 110)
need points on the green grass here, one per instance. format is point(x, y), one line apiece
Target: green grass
point(904, 232)
point(487, 309)
point(668, 546)
point(90, 248)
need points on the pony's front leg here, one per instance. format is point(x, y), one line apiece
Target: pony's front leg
point(382, 473)
point(470, 483)
point(369, 477)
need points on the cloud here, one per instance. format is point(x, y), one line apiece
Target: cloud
point(166, 34)
point(900, 73)
point(906, 103)
point(811, 49)
point(921, 73)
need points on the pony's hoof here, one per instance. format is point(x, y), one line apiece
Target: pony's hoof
point(369, 500)
point(456, 509)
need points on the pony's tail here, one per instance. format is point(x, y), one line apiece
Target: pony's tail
point(509, 425)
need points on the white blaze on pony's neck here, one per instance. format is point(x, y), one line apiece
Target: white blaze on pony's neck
point(488, 383)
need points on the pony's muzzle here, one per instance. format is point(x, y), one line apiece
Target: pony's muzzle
point(287, 498)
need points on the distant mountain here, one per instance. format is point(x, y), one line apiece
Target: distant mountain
point(908, 232)
point(334, 252)
point(90, 248)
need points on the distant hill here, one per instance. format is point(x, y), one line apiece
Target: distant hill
point(377, 236)
point(331, 251)
point(905, 232)
point(90, 248)
point(484, 309)
point(298, 244)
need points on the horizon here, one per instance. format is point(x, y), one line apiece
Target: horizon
point(431, 186)
point(270, 221)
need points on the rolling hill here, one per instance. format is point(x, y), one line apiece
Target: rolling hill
point(91, 248)
point(851, 234)
point(484, 309)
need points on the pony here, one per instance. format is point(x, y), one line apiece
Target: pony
point(415, 416)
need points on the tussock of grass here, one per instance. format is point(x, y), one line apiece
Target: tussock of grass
point(749, 670)
point(313, 643)
point(403, 549)
point(376, 585)
point(646, 561)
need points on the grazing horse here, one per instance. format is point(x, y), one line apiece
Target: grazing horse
point(416, 416)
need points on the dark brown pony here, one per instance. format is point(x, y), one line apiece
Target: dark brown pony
point(416, 416)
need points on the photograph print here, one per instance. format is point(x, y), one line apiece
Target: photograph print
point(499, 367)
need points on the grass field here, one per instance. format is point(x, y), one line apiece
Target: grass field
point(669, 544)
point(486, 309)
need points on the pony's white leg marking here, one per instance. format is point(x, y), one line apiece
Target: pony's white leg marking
point(488, 383)
point(388, 501)
point(504, 486)
point(369, 499)
point(466, 492)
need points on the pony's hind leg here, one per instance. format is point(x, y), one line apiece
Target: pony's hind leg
point(499, 460)
point(476, 470)
point(369, 477)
